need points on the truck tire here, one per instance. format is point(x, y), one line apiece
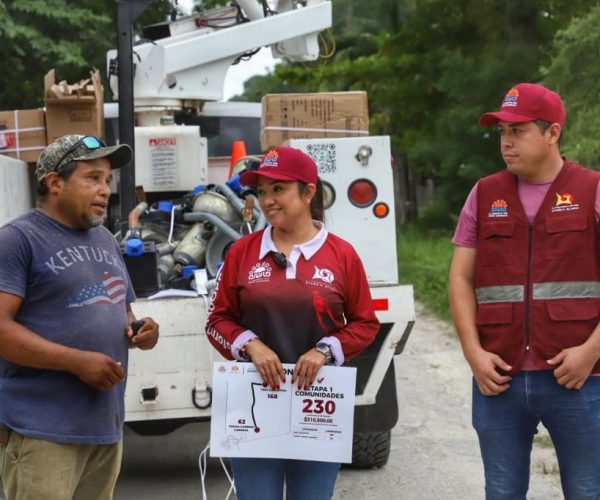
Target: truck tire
point(370, 449)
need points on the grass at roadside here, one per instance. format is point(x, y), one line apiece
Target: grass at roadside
point(423, 261)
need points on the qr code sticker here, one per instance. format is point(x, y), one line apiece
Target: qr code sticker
point(324, 156)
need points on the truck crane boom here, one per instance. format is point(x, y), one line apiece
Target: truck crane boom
point(192, 62)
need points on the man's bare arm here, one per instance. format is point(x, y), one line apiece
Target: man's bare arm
point(463, 306)
point(21, 346)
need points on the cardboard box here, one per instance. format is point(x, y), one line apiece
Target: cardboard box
point(74, 108)
point(22, 133)
point(310, 116)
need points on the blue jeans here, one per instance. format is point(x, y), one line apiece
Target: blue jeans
point(506, 424)
point(263, 478)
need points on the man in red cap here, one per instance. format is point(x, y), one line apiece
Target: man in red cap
point(525, 299)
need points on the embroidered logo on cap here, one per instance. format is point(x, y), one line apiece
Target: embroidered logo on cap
point(511, 99)
point(499, 208)
point(271, 159)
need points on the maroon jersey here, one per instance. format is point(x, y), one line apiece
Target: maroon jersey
point(321, 294)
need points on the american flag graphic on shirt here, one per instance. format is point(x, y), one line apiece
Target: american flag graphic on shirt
point(111, 290)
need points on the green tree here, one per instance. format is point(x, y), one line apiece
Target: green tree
point(575, 73)
point(71, 36)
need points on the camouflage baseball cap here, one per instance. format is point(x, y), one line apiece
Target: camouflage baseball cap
point(73, 148)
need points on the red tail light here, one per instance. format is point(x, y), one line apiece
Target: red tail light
point(362, 193)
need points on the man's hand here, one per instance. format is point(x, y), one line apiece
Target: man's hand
point(483, 365)
point(98, 370)
point(573, 366)
point(146, 337)
point(267, 363)
point(307, 367)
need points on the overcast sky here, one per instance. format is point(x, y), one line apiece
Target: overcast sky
point(260, 64)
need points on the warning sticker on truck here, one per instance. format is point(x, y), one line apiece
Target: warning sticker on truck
point(163, 162)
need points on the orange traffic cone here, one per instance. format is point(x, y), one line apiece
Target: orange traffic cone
point(238, 151)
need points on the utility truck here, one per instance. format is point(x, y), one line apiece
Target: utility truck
point(193, 212)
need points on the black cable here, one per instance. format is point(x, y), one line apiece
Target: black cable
point(245, 56)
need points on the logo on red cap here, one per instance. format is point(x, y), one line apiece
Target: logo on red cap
point(271, 159)
point(511, 99)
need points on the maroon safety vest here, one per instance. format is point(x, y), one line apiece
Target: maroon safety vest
point(538, 285)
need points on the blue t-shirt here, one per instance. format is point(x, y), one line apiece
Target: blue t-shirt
point(75, 288)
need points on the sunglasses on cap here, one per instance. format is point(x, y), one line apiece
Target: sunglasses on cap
point(90, 142)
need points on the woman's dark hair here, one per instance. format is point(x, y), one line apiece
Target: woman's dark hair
point(65, 173)
point(317, 212)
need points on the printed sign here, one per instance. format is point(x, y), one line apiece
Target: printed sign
point(250, 420)
point(163, 158)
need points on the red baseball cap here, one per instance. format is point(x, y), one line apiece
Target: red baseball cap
point(283, 164)
point(526, 102)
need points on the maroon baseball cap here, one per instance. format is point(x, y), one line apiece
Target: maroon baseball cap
point(526, 102)
point(283, 164)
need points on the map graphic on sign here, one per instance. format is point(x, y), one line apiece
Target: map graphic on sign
point(250, 420)
point(253, 414)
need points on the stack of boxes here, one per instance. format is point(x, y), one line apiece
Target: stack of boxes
point(70, 109)
point(312, 116)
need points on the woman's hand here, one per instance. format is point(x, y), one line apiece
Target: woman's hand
point(307, 367)
point(266, 362)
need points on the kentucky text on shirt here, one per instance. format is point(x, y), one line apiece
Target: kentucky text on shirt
point(82, 253)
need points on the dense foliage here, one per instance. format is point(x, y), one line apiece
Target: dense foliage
point(575, 73)
point(71, 36)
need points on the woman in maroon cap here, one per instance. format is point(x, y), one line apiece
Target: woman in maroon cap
point(292, 293)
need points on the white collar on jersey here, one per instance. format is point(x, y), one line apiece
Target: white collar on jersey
point(308, 249)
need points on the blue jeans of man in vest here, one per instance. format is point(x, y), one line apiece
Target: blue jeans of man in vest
point(507, 423)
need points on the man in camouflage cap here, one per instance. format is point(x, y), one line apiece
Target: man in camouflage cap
point(65, 329)
point(71, 148)
point(62, 158)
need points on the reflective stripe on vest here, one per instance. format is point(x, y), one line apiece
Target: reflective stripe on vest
point(506, 293)
point(541, 291)
point(567, 290)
